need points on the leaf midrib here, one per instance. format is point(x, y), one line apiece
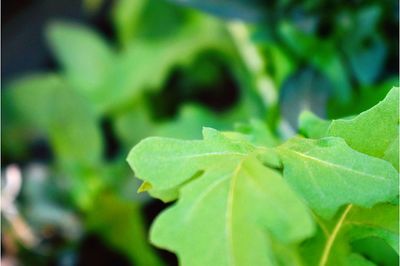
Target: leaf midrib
point(332, 237)
point(229, 213)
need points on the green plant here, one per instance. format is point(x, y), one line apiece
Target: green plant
point(243, 198)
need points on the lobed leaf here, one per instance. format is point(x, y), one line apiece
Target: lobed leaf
point(329, 174)
point(189, 157)
point(373, 131)
point(235, 214)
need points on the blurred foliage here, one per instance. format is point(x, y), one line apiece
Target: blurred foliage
point(171, 70)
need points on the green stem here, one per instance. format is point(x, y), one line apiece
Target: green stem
point(331, 239)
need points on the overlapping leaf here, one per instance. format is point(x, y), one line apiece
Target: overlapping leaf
point(374, 132)
point(333, 243)
point(229, 194)
point(237, 212)
point(329, 174)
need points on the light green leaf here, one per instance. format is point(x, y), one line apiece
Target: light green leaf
point(232, 210)
point(191, 156)
point(130, 76)
point(84, 55)
point(336, 245)
point(392, 153)
point(373, 131)
point(190, 121)
point(27, 99)
point(74, 131)
point(233, 215)
point(126, 17)
point(47, 104)
point(379, 221)
point(258, 133)
point(329, 174)
point(312, 126)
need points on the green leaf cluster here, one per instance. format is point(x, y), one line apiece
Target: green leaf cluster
point(317, 199)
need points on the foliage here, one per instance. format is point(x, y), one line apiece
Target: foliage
point(168, 70)
point(240, 203)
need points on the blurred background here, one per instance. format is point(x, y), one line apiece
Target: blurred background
point(83, 81)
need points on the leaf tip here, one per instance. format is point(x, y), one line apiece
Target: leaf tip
point(145, 186)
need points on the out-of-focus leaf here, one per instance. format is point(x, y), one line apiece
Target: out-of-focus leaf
point(258, 133)
point(362, 100)
point(162, 19)
point(189, 123)
point(329, 174)
point(23, 122)
point(126, 16)
point(311, 126)
point(373, 131)
point(322, 54)
point(362, 56)
point(144, 65)
point(85, 56)
point(283, 65)
point(362, 44)
point(133, 125)
point(50, 106)
point(73, 130)
point(120, 223)
point(29, 99)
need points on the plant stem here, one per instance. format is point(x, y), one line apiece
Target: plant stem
point(332, 237)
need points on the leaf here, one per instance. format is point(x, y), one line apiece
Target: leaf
point(362, 44)
point(376, 250)
point(350, 226)
point(126, 18)
point(361, 100)
point(329, 174)
point(121, 225)
point(325, 57)
point(373, 131)
point(192, 156)
point(130, 78)
point(27, 99)
point(74, 130)
point(45, 103)
point(257, 133)
point(379, 221)
point(84, 55)
point(338, 240)
point(233, 215)
point(230, 180)
point(311, 126)
point(361, 57)
point(392, 153)
point(190, 121)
